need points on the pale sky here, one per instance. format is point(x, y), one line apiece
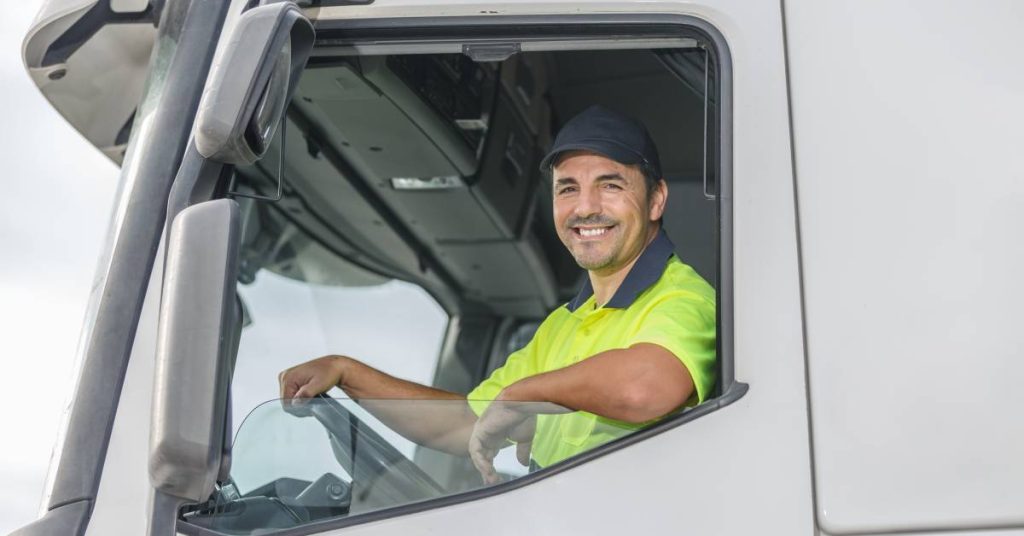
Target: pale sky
point(56, 194)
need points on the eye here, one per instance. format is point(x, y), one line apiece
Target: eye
point(565, 190)
point(612, 186)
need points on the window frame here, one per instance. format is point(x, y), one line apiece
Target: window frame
point(570, 29)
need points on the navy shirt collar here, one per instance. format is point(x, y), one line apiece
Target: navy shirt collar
point(645, 272)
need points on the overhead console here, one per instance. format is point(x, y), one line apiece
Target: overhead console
point(450, 148)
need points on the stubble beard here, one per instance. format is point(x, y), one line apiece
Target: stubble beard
point(592, 261)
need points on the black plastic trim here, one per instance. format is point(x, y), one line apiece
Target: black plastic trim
point(567, 27)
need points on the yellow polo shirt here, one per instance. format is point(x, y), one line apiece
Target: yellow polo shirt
point(661, 301)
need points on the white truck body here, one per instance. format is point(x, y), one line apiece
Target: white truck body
point(877, 180)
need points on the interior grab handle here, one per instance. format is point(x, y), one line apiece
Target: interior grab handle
point(707, 67)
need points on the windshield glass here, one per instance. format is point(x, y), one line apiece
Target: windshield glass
point(298, 462)
point(301, 302)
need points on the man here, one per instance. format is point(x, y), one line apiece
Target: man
point(637, 343)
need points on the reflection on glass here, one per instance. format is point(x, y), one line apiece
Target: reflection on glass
point(298, 462)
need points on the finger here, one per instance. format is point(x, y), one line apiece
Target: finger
point(284, 383)
point(490, 476)
point(523, 452)
point(306, 391)
point(480, 461)
point(482, 458)
point(523, 432)
point(482, 467)
point(287, 390)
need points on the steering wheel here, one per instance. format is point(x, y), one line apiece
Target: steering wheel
point(369, 458)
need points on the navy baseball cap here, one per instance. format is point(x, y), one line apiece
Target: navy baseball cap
point(609, 133)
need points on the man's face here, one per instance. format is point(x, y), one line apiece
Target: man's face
point(603, 213)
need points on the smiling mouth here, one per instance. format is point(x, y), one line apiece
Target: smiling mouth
point(591, 232)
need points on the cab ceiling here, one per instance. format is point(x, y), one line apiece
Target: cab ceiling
point(486, 242)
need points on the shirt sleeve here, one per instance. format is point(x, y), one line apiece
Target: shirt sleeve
point(519, 365)
point(684, 324)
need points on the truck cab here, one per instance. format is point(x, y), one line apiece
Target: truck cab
point(345, 177)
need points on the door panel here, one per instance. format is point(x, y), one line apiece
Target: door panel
point(746, 467)
point(907, 119)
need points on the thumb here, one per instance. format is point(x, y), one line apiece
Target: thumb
point(523, 452)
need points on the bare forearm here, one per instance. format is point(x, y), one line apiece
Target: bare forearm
point(444, 426)
point(360, 380)
point(634, 385)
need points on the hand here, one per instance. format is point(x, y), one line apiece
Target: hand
point(500, 423)
point(310, 379)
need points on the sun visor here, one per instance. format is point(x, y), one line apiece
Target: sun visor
point(92, 72)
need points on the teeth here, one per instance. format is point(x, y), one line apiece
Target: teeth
point(593, 232)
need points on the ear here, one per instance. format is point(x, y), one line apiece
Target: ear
point(658, 198)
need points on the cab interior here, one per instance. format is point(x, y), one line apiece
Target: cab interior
point(424, 168)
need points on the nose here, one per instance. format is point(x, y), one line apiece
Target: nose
point(588, 203)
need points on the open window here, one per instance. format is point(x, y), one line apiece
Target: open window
point(414, 231)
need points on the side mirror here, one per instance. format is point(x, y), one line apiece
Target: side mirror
point(194, 352)
point(250, 86)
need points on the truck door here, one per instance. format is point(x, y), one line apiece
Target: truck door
point(390, 157)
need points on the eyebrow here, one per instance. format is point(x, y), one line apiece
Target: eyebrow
point(602, 178)
point(610, 177)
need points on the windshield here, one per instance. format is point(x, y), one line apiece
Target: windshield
point(298, 462)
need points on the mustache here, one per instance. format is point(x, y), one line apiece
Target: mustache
point(595, 220)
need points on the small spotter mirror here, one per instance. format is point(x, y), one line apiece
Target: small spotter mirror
point(251, 83)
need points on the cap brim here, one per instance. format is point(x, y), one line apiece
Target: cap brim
point(608, 149)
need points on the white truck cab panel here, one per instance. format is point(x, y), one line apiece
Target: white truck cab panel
point(906, 120)
point(869, 181)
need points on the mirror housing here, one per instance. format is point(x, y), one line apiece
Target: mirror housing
point(250, 86)
point(194, 351)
